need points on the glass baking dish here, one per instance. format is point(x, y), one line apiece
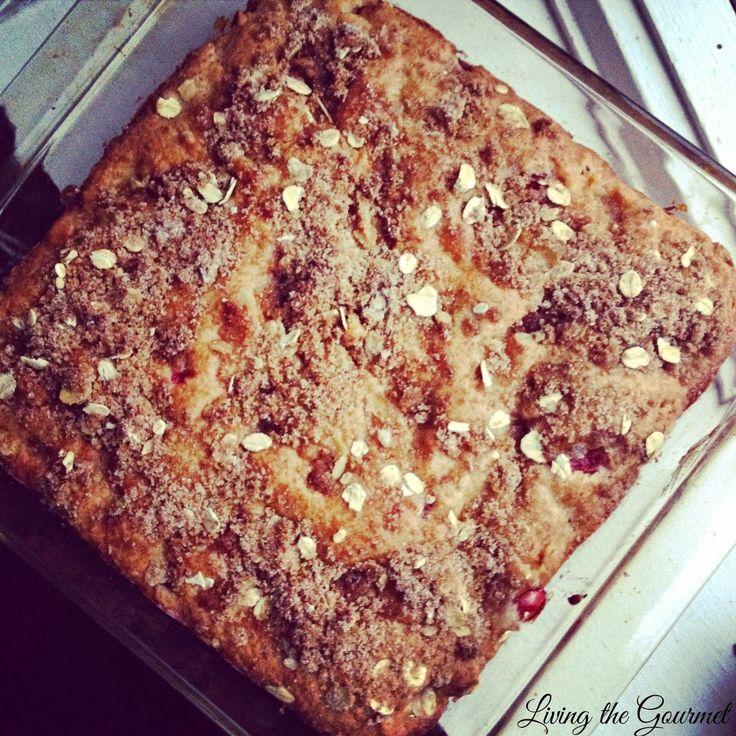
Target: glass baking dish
point(80, 89)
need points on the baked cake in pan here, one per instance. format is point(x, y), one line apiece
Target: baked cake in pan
point(342, 348)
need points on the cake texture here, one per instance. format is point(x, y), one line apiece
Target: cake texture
point(343, 348)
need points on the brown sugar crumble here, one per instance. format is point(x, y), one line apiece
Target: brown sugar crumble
point(343, 348)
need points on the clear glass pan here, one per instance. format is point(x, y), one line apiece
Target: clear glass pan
point(106, 58)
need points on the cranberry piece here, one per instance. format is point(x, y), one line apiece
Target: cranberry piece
point(531, 603)
point(540, 125)
point(591, 462)
point(320, 477)
point(539, 179)
point(531, 322)
point(181, 376)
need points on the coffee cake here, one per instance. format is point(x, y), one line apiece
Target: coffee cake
point(343, 348)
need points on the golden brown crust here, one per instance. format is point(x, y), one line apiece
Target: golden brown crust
point(225, 374)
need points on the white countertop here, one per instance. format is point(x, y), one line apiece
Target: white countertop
point(682, 67)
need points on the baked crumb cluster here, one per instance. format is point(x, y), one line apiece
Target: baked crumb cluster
point(343, 348)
